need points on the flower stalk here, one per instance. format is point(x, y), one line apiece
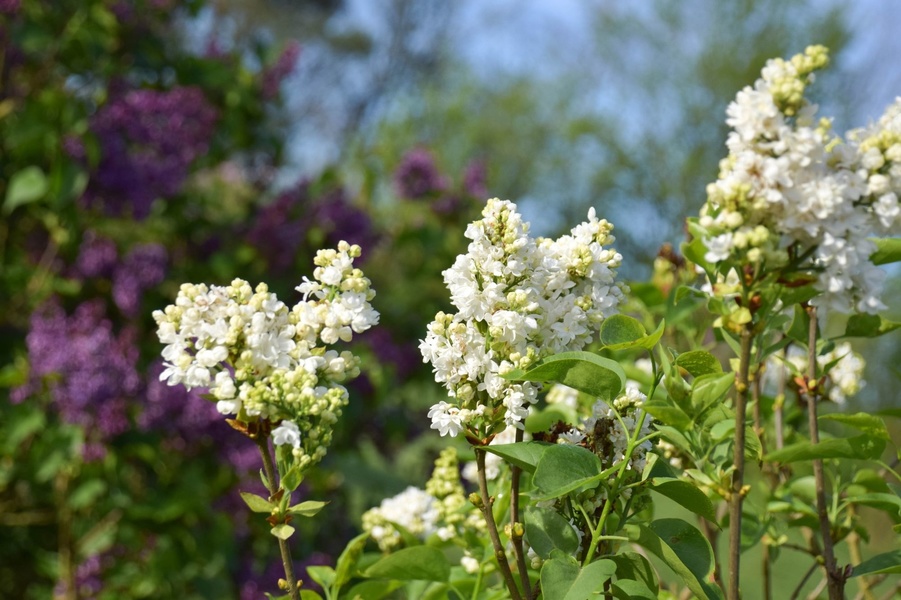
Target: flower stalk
point(272, 484)
point(485, 506)
point(835, 578)
point(738, 476)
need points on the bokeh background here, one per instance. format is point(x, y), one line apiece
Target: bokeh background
point(144, 143)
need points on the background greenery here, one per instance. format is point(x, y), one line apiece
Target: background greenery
point(144, 143)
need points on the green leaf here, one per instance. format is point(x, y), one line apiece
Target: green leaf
point(683, 548)
point(684, 291)
point(620, 330)
point(416, 563)
point(282, 531)
point(596, 376)
point(869, 326)
point(888, 250)
point(887, 562)
point(547, 530)
point(865, 422)
point(565, 468)
point(86, 493)
point(322, 574)
point(862, 447)
point(305, 595)
point(292, 479)
point(632, 565)
point(524, 455)
point(372, 590)
point(699, 362)
point(707, 389)
point(25, 186)
point(562, 579)
point(257, 504)
point(889, 503)
point(686, 495)
point(307, 509)
point(629, 589)
point(348, 559)
point(668, 413)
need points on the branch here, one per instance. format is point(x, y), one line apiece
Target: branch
point(738, 477)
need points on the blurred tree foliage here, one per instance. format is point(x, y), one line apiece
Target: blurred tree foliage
point(633, 125)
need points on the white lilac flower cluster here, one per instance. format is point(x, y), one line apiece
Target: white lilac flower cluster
point(789, 189)
point(261, 359)
point(607, 433)
point(845, 374)
point(518, 299)
point(441, 509)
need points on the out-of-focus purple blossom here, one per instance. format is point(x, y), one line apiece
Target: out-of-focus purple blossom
point(9, 7)
point(89, 370)
point(254, 585)
point(447, 204)
point(475, 178)
point(88, 580)
point(341, 220)
point(279, 230)
point(148, 140)
point(284, 66)
point(142, 268)
point(177, 411)
point(97, 257)
point(404, 356)
point(417, 175)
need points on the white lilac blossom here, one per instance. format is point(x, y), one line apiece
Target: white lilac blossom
point(791, 191)
point(413, 509)
point(518, 300)
point(441, 509)
point(261, 359)
point(844, 378)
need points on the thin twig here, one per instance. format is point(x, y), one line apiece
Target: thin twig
point(738, 476)
point(499, 554)
point(804, 579)
point(515, 522)
point(836, 580)
point(263, 444)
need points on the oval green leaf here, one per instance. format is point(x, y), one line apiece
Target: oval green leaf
point(524, 455)
point(417, 563)
point(307, 509)
point(564, 468)
point(25, 186)
point(562, 579)
point(683, 548)
point(595, 375)
point(257, 504)
point(699, 362)
point(547, 530)
point(888, 250)
point(862, 447)
point(686, 495)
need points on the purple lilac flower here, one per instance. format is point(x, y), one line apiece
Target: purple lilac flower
point(284, 66)
point(278, 230)
point(404, 356)
point(97, 257)
point(142, 268)
point(88, 369)
point(9, 7)
point(182, 413)
point(148, 141)
point(417, 175)
point(475, 180)
point(341, 220)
